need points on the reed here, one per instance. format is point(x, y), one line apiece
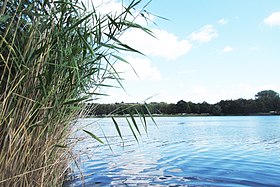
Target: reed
point(54, 55)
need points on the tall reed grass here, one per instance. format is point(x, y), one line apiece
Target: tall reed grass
point(53, 56)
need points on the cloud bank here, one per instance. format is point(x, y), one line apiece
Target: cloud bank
point(227, 49)
point(273, 19)
point(205, 34)
point(137, 69)
point(164, 44)
point(223, 21)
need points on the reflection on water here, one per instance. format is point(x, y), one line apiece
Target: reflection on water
point(193, 151)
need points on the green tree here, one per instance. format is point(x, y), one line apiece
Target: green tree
point(267, 94)
point(182, 107)
point(172, 109)
point(194, 108)
point(250, 106)
point(205, 107)
point(268, 100)
point(217, 110)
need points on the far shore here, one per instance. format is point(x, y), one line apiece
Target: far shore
point(183, 115)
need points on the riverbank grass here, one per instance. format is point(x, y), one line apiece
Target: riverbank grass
point(54, 55)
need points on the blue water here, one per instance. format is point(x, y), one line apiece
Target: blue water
point(181, 151)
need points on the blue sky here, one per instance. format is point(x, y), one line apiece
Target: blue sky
point(207, 51)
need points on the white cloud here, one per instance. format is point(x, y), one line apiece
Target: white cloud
point(273, 19)
point(116, 7)
point(205, 34)
point(223, 21)
point(227, 49)
point(255, 48)
point(164, 44)
point(143, 68)
point(104, 6)
point(189, 71)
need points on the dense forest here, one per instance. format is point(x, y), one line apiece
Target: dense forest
point(265, 102)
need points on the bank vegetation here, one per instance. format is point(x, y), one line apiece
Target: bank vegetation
point(54, 55)
point(266, 102)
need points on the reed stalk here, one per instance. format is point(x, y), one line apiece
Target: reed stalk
point(54, 55)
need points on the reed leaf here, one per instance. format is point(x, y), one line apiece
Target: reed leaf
point(134, 123)
point(93, 136)
point(131, 129)
point(117, 128)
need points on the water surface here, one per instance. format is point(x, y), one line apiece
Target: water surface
point(182, 151)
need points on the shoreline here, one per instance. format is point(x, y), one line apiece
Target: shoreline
point(182, 115)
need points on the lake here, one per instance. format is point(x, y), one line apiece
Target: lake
point(181, 151)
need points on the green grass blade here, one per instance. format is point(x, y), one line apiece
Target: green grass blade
point(150, 115)
point(108, 143)
point(75, 101)
point(117, 127)
point(134, 123)
point(144, 122)
point(93, 136)
point(74, 26)
point(130, 126)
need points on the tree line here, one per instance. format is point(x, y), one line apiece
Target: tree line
point(265, 102)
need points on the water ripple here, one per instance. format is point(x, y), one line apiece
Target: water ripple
point(187, 152)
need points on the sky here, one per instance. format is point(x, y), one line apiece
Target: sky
point(207, 50)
